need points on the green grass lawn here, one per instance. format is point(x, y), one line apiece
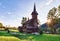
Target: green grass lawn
point(4, 36)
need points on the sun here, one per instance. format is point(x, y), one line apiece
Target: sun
point(49, 21)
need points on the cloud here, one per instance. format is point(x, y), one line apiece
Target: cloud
point(2, 16)
point(49, 2)
point(9, 13)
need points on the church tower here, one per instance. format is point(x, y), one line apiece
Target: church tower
point(34, 13)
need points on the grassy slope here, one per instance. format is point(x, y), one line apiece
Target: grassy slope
point(8, 38)
point(4, 36)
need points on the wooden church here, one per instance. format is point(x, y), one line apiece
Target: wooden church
point(31, 26)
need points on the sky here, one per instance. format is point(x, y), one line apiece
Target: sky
point(12, 11)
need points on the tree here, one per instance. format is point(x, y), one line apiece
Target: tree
point(59, 10)
point(52, 13)
point(51, 19)
point(58, 14)
point(1, 25)
point(58, 30)
point(24, 19)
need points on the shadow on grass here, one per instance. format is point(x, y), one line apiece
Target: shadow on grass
point(22, 36)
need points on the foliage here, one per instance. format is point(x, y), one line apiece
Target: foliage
point(51, 13)
point(1, 25)
point(24, 19)
point(58, 30)
point(54, 18)
point(58, 20)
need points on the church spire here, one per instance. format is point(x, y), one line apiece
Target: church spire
point(34, 8)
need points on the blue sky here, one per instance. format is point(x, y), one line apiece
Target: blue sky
point(12, 11)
